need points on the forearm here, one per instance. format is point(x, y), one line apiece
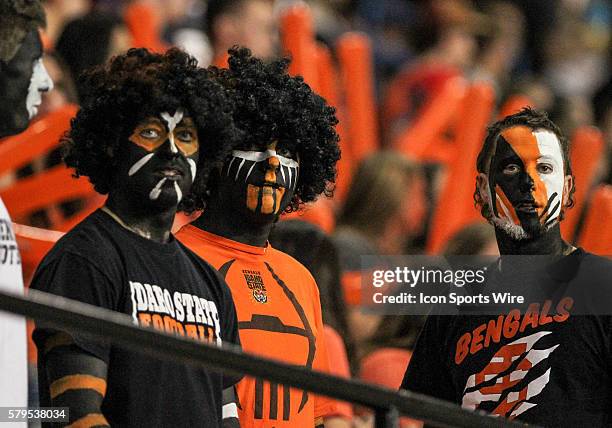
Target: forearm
point(230, 409)
point(77, 380)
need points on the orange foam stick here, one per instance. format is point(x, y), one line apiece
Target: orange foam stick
point(38, 191)
point(328, 89)
point(596, 236)
point(415, 141)
point(297, 37)
point(513, 104)
point(144, 23)
point(354, 52)
point(455, 206)
point(42, 136)
point(586, 153)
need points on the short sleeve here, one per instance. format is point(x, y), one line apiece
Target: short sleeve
point(426, 373)
point(72, 276)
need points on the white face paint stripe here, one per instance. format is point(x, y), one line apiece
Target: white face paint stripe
point(193, 167)
point(249, 172)
point(154, 194)
point(549, 146)
point(172, 121)
point(504, 208)
point(39, 81)
point(179, 194)
point(239, 168)
point(262, 156)
point(229, 167)
point(140, 163)
point(282, 171)
point(290, 175)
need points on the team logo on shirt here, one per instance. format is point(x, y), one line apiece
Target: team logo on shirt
point(256, 285)
point(518, 372)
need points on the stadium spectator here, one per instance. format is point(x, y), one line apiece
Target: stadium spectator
point(524, 165)
point(23, 78)
point(138, 138)
point(287, 158)
point(91, 40)
point(249, 23)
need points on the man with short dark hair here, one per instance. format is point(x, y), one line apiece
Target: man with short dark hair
point(546, 362)
point(249, 23)
point(23, 78)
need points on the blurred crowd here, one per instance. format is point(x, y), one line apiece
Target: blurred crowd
point(555, 52)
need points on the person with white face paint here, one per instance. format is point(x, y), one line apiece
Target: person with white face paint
point(286, 157)
point(22, 79)
point(545, 362)
point(150, 128)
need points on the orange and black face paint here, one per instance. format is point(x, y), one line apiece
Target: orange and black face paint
point(152, 133)
point(268, 177)
point(526, 178)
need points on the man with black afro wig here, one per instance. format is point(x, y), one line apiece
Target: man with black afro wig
point(287, 157)
point(149, 126)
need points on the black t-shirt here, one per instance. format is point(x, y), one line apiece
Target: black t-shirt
point(549, 366)
point(165, 286)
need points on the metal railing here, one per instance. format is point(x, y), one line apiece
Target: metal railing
point(120, 329)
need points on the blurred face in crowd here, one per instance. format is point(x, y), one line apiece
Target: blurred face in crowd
point(527, 183)
point(160, 161)
point(260, 181)
point(22, 80)
point(252, 25)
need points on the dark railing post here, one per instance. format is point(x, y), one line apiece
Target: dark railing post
point(387, 418)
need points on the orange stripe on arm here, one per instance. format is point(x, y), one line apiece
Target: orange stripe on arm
point(77, 381)
point(90, 420)
point(59, 339)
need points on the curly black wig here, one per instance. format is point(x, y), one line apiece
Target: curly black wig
point(272, 105)
point(138, 84)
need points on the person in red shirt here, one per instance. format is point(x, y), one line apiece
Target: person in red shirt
point(287, 157)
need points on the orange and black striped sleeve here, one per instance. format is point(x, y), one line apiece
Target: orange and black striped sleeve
point(75, 379)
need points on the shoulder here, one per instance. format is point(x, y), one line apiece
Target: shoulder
point(290, 266)
point(89, 242)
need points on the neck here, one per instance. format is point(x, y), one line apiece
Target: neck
point(228, 223)
point(549, 243)
point(153, 225)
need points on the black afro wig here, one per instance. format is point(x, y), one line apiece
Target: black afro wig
point(139, 84)
point(272, 105)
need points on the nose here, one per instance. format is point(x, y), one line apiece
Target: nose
point(168, 149)
point(46, 81)
point(526, 183)
point(273, 164)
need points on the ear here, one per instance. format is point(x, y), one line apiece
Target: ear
point(567, 187)
point(482, 183)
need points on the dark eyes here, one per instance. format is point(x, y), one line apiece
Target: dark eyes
point(542, 168)
point(186, 136)
point(150, 133)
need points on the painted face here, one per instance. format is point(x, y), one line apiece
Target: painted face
point(163, 156)
point(267, 178)
point(526, 181)
point(22, 80)
point(39, 83)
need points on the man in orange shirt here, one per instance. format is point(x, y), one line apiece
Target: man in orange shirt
point(288, 157)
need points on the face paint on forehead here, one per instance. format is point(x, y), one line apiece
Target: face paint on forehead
point(526, 180)
point(287, 165)
point(172, 122)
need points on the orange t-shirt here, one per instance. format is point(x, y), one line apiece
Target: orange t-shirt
point(279, 317)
